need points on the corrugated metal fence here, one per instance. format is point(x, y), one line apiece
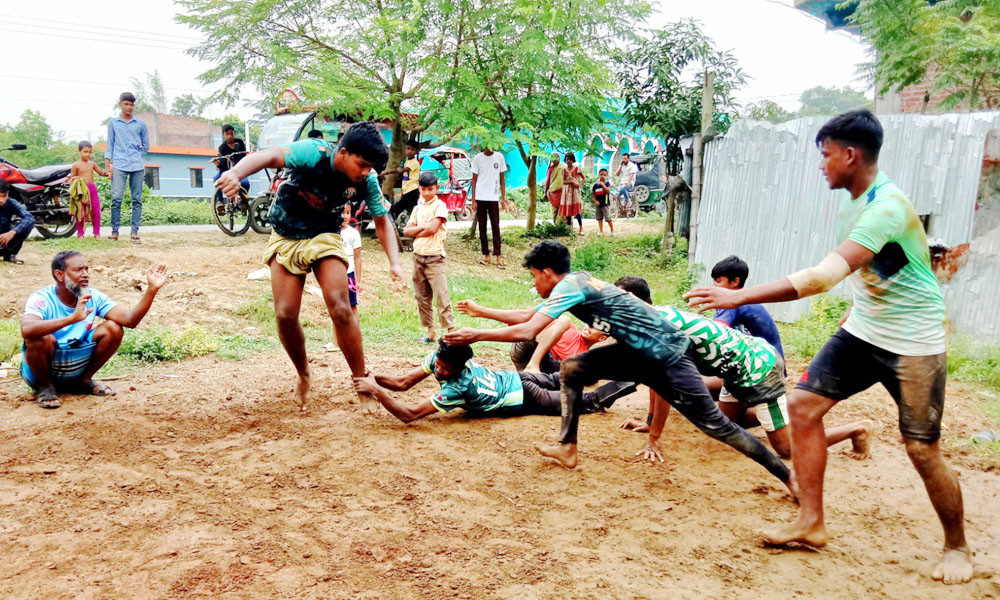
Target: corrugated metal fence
point(765, 200)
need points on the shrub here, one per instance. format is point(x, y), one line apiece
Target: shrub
point(10, 338)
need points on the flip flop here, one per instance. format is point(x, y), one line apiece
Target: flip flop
point(94, 388)
point(48, 398)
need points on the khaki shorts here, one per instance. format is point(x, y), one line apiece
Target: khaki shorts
point(298, 256)
point(603, 213)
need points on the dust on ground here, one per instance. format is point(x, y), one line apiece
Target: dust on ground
point(199, 480)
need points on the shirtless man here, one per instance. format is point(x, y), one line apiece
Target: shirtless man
point(893, 335)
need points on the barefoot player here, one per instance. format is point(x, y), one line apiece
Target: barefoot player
point(649, 350)
point(306, 217)
point(894, 334)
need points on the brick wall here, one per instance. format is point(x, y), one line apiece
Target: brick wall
point(184, 132)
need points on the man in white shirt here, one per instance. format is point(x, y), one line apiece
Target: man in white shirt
point(626, 171)
point(489, 189)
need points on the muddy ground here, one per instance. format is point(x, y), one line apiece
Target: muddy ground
point(199, 480)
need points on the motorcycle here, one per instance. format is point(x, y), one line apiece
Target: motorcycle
point(44, 192)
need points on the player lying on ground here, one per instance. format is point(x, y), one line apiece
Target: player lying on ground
point(649, 350)
point(557, 342)
point(753, 376)
point(306, 219)
point(479, 390)
point(893, 335)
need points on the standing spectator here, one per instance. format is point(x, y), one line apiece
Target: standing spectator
point(352, 249)
point(231, 151)
point(626, 171)
point(489, 189)
point(12, 237)
point(409, 175)
point(571, 203)
point(90, 202)
point(426, 226)
point(554, 184)
point(315, 133)
point(602, 207)
point(128, 140)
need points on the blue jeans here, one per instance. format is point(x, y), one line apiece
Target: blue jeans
point(136, 179)
point(625, 192)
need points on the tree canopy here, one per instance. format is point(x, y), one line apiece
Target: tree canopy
point(953, 44)
point(44, 144)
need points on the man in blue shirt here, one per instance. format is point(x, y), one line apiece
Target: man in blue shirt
point(11, 237)
point(128, 140)
point(650, 350)
point(306, 218)
point(63, 345)
point(731, 273)
point(479, 390)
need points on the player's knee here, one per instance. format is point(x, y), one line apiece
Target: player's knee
point(46, 344)
point(339, 307)
point(802, 409)
point(111, 330)
point(922, 454)
point(571, 371)
point(285, 317)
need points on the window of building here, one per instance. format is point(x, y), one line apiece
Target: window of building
point(152, 176)
point(196, 177)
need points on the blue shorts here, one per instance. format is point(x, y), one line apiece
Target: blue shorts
point(352, 289)
point(68, 364)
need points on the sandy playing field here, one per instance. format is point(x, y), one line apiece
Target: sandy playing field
point(200, 480)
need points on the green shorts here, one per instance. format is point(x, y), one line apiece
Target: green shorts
point(298, 256)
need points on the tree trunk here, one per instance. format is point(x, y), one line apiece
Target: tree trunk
point(532, 191)
point(397, 150)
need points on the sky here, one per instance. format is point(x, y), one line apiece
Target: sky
point(69, 60)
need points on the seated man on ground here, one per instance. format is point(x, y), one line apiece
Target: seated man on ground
point(753, 373)
point(62, 346)
point(479, 390)
point(557, 342)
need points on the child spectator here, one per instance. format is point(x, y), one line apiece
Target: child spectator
point(731, 273)
point(12, 236)
point(426, 226)
point(89, 202)
point(352, 249)
point(602, 208)
point(571, 204)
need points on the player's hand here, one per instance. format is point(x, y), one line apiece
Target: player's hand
point(650, 453)
point(702, 299)
point(635, 425)
point(462, 337)
point(366, 384)
point(229, 184)
point(397, 273)
point(82, 312)
point(156, 276)
point(475, 206)
point(468, 307)
point(5, 238)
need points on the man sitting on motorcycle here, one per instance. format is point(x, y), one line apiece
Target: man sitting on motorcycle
point(12, 237)
point(231, 151)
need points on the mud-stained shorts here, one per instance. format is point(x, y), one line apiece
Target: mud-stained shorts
point(847, 365)
point(767, 398)
point(298, 256)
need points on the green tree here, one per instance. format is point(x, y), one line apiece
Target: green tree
point(661, 83)
point(150, 93)
point(188, 105)
point(545, 75)
point(44, 145)
point(765, 110)
point(823, 101)
point(386, 59)
point(953, 44)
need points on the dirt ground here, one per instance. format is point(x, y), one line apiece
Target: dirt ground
point(199, 480)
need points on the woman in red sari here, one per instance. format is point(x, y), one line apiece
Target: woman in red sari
point(571, 203)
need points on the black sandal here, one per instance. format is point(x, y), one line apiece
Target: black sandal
point(48, 398)
point(94, 388)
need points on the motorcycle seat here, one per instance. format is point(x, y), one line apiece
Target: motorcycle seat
point(46, 174)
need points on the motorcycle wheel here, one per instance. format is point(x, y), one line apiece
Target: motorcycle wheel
point(232, 219)
point(56, 230)
point(401, 220)
point(465, 214)
point(260, 211)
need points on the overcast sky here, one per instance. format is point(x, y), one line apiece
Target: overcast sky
point(70, 59)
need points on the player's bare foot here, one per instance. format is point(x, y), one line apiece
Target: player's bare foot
point(302, 391)
point(564, 453)
point(798, 533)
point(862, 440)
point(369, 405)
point(955, 566)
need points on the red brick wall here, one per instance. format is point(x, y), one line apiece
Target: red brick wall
point(912, 99)
point(171, 130)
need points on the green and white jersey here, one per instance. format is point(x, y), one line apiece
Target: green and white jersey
point(722, 351)
point(897, 300)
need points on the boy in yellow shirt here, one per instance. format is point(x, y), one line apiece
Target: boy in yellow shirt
point(427, 228)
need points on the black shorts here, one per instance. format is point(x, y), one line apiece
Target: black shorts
point(847, 365)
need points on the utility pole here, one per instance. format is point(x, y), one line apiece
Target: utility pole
point(707, 94)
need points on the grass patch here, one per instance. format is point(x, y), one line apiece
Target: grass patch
point(976, 364)
point(161, 345)
point(806, 336)
point(239, 347)
point(10, 338)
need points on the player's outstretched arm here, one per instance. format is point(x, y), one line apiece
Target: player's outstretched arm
point(406, 414)
point(229, 182)
point(510, 317)
point(844, 260)
point(403, 382)
point(661, 410)
point(514, 333)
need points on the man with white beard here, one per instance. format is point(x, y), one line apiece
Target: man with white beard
point(63, 347)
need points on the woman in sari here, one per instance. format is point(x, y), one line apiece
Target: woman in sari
point(571, 203)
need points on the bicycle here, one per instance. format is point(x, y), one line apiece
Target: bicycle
point(232, 215)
